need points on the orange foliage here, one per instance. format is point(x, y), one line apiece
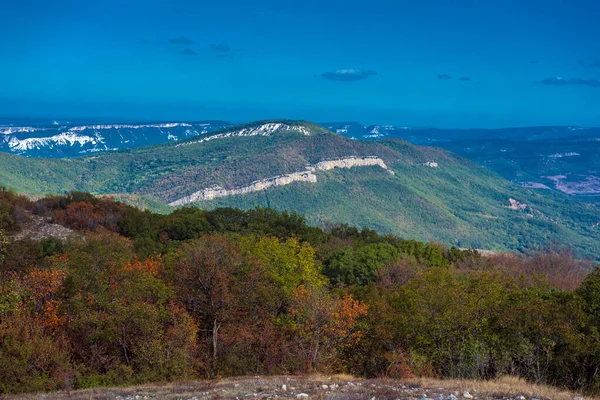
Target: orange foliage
point(61, 258)
point(43, 286)
point(151, 265)
point(344, 317)
point(325, 324)
point(399, 367)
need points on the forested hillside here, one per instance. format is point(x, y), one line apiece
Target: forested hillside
point(422, 193)
point(131, 297)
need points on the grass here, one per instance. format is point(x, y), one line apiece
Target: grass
point(319, 387)
point(508, 386)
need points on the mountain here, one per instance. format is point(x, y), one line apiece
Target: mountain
point(389, 185)
point(356, 131)
point(559, 158)
point(66, 139)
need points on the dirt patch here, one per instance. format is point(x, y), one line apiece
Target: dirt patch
point(34, 227)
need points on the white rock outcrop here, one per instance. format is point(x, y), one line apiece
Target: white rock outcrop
point(267, 129)
point(307, 175)
point(516, 205)
point(4, 130)
point(217, 191)
point(65, 138)
point(127, 126)
point(350, 162)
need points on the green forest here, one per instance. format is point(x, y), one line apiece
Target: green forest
point(132, 296)
point(458, 203)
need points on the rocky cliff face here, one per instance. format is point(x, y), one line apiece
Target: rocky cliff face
point(281, 180)
point(350, 162)
point(217, 191)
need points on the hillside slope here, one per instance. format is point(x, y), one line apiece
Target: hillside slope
point(547, 157)
point(417, 192)
point(562, 158)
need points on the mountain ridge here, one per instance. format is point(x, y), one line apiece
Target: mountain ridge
point(433, 194)
point(561, 158)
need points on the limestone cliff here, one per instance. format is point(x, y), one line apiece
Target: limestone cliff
point(281, 180)
point(350, 162)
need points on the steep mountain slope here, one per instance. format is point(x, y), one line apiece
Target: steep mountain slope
point(389, 185)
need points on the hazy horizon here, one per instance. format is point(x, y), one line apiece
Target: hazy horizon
point(62, 120)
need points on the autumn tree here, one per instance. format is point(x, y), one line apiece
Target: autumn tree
point(137, 297)
point(205, 275)
point(31, 358)
point(323, 325)
point(79, 216)
point(116, 306)
point(42, 288)
point(34, 355)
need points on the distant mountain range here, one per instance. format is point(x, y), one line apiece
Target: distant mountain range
point(551, 157)
point(389, 185)
point(65, 139)
point(561, 158)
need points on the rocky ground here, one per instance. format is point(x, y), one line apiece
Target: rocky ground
point(35, 227)
point(321, 387)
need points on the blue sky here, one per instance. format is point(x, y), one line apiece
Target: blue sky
point(522, 62)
